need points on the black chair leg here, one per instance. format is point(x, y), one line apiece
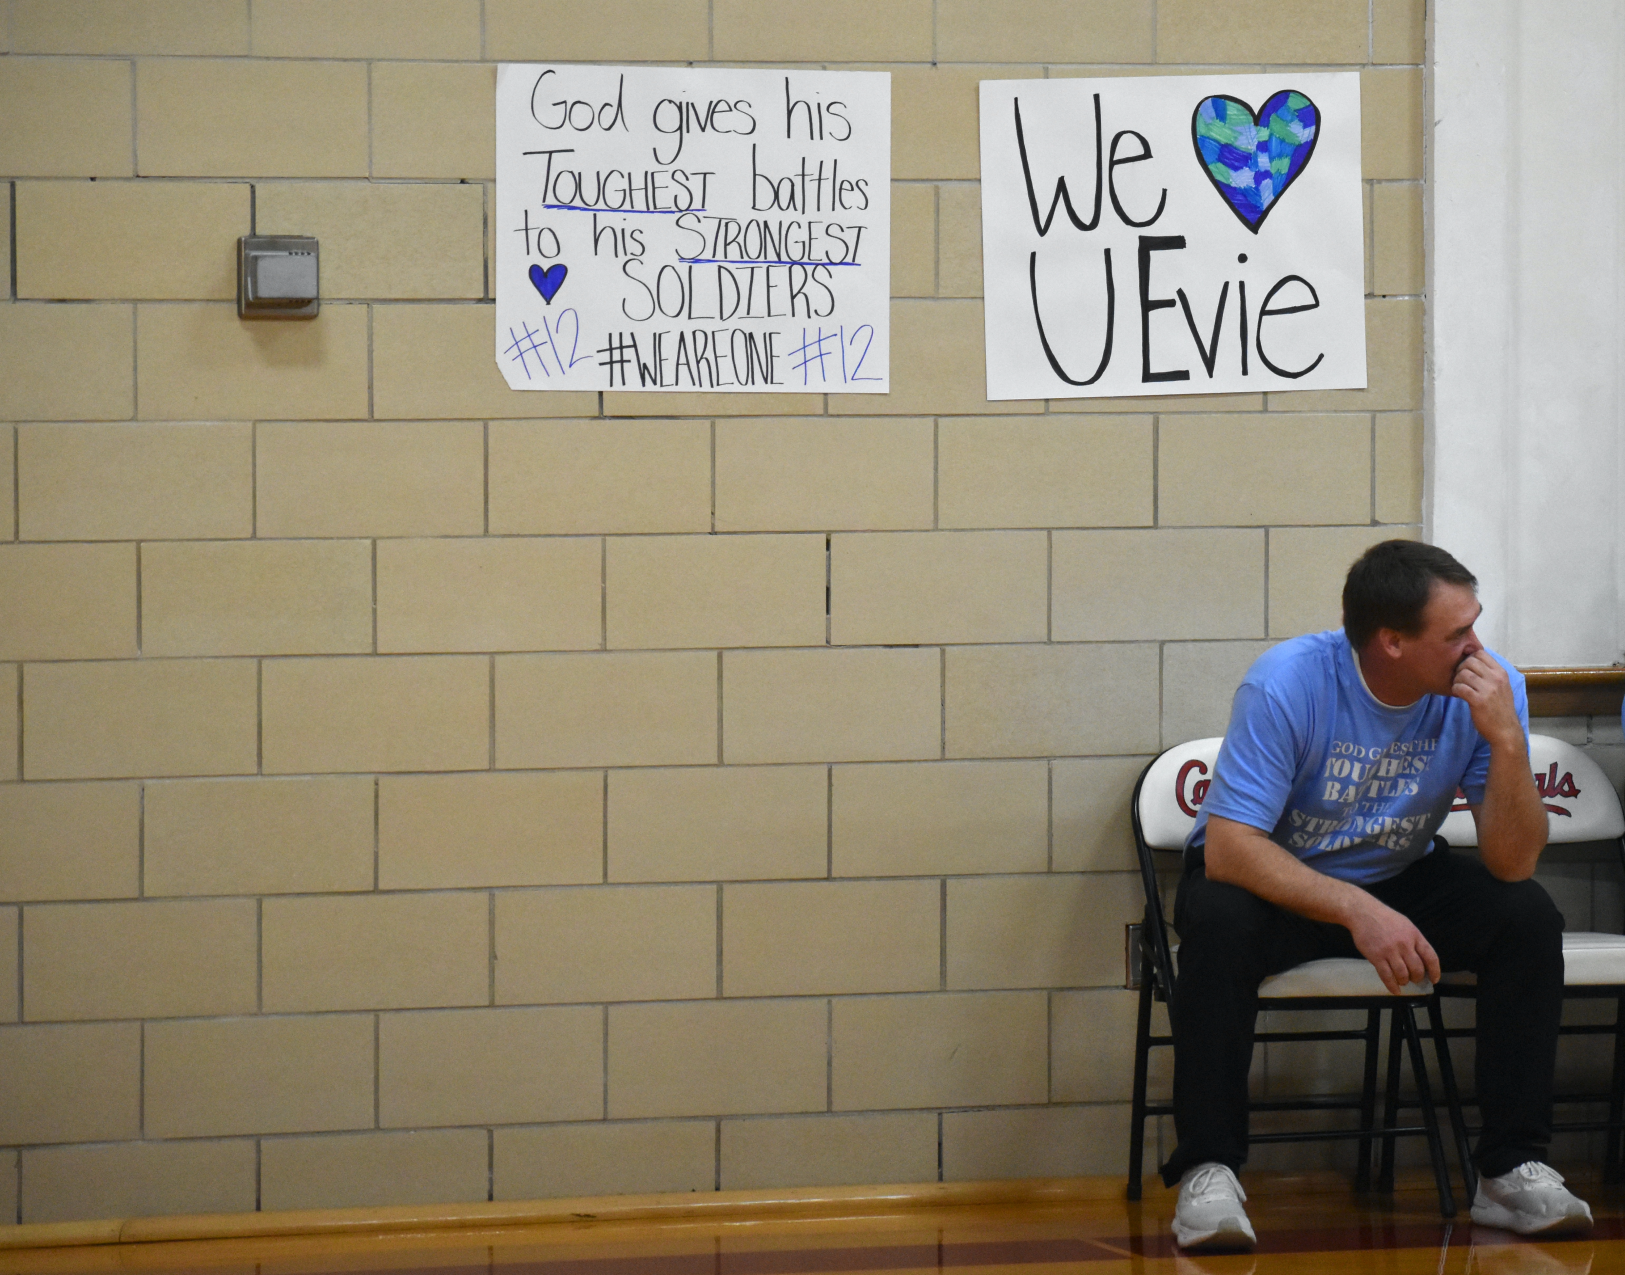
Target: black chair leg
point(1390, 1113)
point(1613, 1170)
point(1430, 1117)
point(1368, 1099)
point(1452, 1096)
point(1142, 1051)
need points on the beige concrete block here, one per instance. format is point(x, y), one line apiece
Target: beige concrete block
point(44, 375)
point(1048, 31)
point(8, 473)
point(1049, 930)
point(863, 473)
point(135, 482)
point(437, 361)
point(1049, 701)
point(5, 228)
point(606, 943)
point(67, 602)
point(425, 712)
point(1092, 1046)
point(1393, 353)
point(10, 1011)
point(844, 31)
point(258, 836)
point(74, 1082)
point(936, 121)
point(1115, 586)
point(366, 29)
point(491, 1066)
point(1391, 124)
point(139, 960)
point(440, 832)
point(1199, 679)
point(387, 241)
point(375, 951)
point(74, 239)
point(132, 718)
point(1397, 256)
point(201, 362)
point(69, 841)
point(1307, 569)
point(1051, 471)
point(137, 1179)
point(913, 240)
point(1090, 813)
point(1399, 31)
point(489, 595)
point(819, 938)
point(944, 586)
point(938, 365)
point(678, 591)
point(173, 27)
point(939, 818)
point(414, 478)
point(1315, 31)
point(717, 1058)
point(320, 109)
point(724, 823)
point(939, 1051)
point(613, 30)
point(10, 1183)
point(433, 120)
point(629, 403)
point(823, 705)
point(359, 1170)
point(216, 1077)
point(618, 1158)
point(256, 597)
point(959, 260)
point(1399, 467)
point(65, 117)
point(1163, 405)
point(1035, 1142)
point(829, 1150)
point(1365, 231)
point(574, 477)
point(10, 722)
point(1225, 470)
point(610, 709)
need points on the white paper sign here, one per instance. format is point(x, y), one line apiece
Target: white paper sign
point(1172, 235)
point(675, 229)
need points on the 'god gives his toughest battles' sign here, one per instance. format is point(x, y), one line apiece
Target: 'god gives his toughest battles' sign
point(1172, 235)
point(675, 229)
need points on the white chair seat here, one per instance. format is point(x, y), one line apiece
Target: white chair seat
point(1333, 976)
point(1589, 960)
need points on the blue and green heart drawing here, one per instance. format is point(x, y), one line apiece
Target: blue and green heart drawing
point(1251, 157)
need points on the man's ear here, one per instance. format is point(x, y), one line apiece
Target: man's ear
point(1389, 643)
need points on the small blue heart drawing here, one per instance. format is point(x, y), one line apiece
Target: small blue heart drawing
point(549, 281)
point(1251, 157)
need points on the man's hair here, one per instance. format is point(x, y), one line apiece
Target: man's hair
point(1389, 584)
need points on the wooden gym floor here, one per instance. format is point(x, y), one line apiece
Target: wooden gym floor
point(1304, 1225)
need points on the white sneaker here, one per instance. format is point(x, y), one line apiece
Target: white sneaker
point(1209, 1213)
point(1531, 1200)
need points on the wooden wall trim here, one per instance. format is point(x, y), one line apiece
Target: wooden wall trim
point(1575, 692)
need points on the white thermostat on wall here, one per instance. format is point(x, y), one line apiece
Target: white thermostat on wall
point(278, 277)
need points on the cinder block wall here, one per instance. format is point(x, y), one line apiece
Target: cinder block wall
point(421, 791)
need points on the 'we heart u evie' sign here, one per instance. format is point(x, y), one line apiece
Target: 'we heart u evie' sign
point(1172, 235)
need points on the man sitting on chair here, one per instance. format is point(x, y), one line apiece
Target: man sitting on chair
point(1316, 838)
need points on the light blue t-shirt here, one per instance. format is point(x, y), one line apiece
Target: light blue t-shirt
point(1352, 787)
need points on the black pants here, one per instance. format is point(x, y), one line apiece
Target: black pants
point(1509, 933)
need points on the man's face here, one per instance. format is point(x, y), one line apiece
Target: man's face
point(1432, 655)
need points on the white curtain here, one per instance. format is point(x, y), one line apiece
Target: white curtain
point(1524, 466)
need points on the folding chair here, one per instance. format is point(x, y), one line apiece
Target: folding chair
point(1581, 807)
point(1163, 810)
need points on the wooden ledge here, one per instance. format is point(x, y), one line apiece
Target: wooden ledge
point(1575, 692)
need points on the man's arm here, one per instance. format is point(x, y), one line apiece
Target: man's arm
point(1238, 854)
point(1511, 821)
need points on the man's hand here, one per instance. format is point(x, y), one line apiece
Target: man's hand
point(1483, 683)
point(1395, 947)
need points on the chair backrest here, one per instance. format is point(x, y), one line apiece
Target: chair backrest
point(1581, 804)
